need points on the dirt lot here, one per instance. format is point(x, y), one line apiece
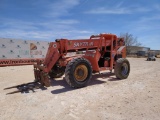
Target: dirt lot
point(137, 97)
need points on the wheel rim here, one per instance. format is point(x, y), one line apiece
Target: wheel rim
point(124, 69)
point(81, 73)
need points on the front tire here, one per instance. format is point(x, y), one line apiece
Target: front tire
point(122, 68)
point(78, 72)
point(56, 72)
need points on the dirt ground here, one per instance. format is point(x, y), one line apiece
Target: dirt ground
point(136, 98)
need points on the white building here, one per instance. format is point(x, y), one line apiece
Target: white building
point(16, 48)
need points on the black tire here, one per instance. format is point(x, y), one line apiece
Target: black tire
point(78, 72)
point(122, 68)
point(56, 72)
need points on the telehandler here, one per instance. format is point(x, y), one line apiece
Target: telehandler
point(100, 52)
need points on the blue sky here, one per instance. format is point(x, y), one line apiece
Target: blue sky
point(52, 19)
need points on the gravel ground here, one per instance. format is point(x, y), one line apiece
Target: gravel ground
point(136, 98)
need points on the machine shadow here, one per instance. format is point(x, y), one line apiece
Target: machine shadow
point(26, 88)
point(32, 86)
point(94, 81)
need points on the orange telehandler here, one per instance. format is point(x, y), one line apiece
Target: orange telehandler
point(100, 52)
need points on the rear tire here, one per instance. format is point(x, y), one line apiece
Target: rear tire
point(122, 68)
point(78, 72)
